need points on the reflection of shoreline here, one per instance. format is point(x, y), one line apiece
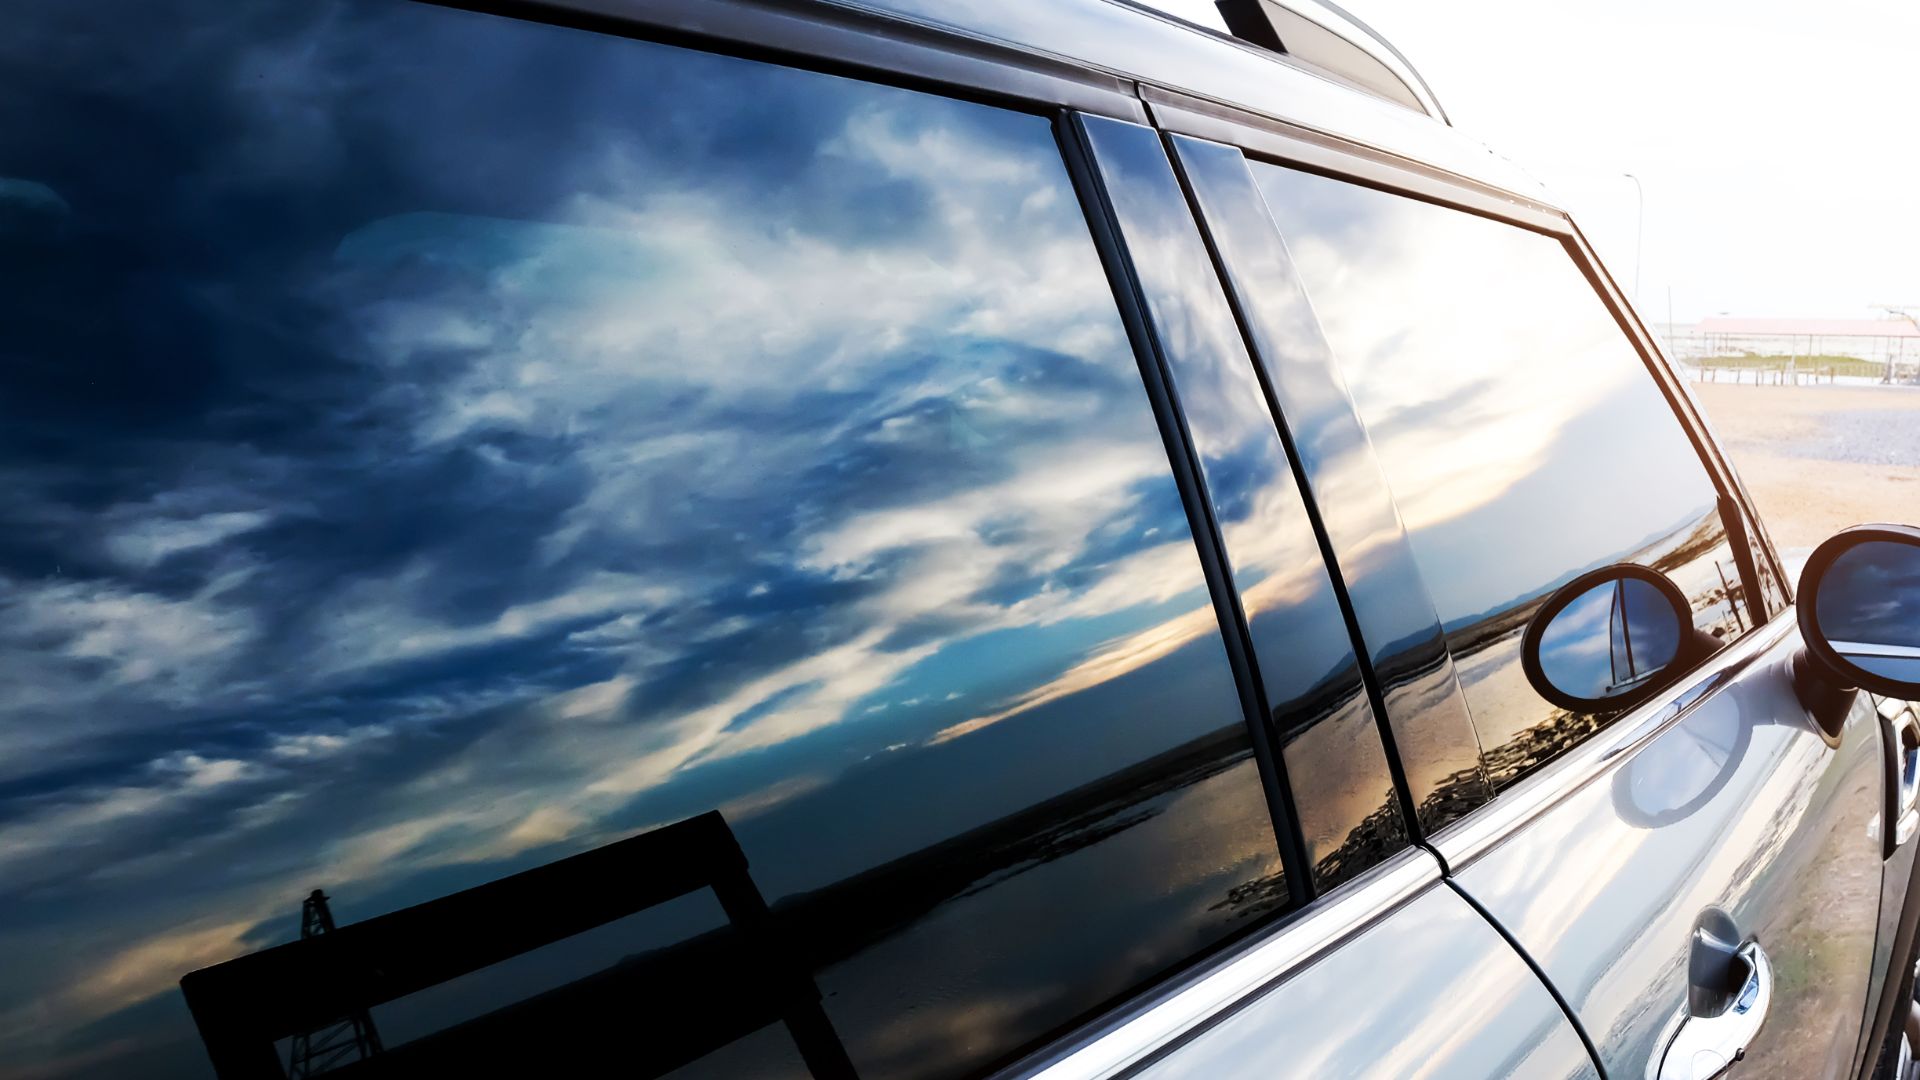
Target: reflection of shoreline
point(1665, 552)
point(830, 926)
point(1488, 648)
point(720, 986)
point(836, 921)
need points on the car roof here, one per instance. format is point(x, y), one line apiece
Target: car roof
point(1134, 43)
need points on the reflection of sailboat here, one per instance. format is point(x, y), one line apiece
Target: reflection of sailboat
point(650, 1024)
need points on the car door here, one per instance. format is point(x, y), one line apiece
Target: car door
point(1526, 441)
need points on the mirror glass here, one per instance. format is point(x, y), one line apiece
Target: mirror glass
point(1610, 640)
point(1868, 604)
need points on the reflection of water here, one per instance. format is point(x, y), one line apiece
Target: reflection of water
point(905, 967)
point(1523, 731)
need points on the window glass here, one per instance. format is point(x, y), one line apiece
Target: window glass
point(1522, 435)
point(1335, 765)
point(1433, 735)
point(437, 445)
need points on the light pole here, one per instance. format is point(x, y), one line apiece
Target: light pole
point(1639, 233)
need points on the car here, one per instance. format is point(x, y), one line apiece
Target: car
point(886, 539)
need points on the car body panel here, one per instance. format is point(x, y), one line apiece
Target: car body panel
point(1431, 991)
point(1742, 804)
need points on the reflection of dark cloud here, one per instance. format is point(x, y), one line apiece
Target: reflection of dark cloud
point(412, 477)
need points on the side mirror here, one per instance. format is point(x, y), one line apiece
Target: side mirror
point(1609, 639)
point(1860, 611)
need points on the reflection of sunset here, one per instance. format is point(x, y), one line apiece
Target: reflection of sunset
point(715, 436)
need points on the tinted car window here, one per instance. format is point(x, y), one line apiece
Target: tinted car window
point(1331, 750)
point(1523, 437)
point(437, 445)
point(1434, 737)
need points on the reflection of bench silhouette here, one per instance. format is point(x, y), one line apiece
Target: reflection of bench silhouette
point(646, 1017)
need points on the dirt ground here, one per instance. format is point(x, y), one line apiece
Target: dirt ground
point(1820, 458)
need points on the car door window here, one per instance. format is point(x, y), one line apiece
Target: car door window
point(1331, 751)
point(1524, 440)
point(437, 445)
point(1433, 736)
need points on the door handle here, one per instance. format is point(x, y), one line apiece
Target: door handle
point(1906, 751)
point(1707, 1046)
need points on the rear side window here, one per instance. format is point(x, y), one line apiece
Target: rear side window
point(1331, 752)
point(1523, 437)
point(437, 445)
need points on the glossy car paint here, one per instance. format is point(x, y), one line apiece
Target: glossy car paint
point(1431, 991)
point(1740, 804)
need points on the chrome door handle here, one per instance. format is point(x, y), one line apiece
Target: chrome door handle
point(1906, 751)
point(1707, 1046)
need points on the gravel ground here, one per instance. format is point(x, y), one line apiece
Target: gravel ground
point(1862, 437)
point(1820, 458)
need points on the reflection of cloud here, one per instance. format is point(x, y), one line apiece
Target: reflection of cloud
point(545, 825)
point(171, 649)
point(1116, 659)
point(150, 541)
point(630, 490)
point(155, 965)
point(1508, 411)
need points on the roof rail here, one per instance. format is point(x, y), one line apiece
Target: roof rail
point(1326, 37)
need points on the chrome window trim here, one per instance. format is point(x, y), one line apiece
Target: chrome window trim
point(1159, 1019)
point(1466, 840)
point(1345, 25)
point(1316, 151)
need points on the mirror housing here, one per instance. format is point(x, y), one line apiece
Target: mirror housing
point(1859, 614)
point(1609, 639)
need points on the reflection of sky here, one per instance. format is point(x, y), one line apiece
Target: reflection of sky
point(1521, 434)
point(414, 477)
point(1429, 991)
point(1300, 640)
point(1587, 652)
point(1490, 376)
point(1433, 735)
point(1871, 593)
point(1871, 596)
